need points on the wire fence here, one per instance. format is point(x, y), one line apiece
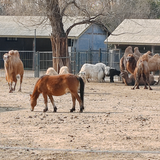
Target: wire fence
point(36, 64)
point(27, 58)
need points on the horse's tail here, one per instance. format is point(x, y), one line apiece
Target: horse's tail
point(81, 88)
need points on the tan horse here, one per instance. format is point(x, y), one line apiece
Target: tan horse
point(58, 85)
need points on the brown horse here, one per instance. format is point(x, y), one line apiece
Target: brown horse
point(58, 85)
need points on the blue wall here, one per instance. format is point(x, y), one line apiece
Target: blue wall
point(93, 38)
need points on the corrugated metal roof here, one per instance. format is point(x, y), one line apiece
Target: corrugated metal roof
point(18, 26)
point(136, 32)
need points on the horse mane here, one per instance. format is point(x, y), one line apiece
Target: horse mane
point(36, 93)
point(46, 75)
point(57, 86)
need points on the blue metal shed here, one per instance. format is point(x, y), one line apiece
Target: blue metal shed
point(91, 39)
point(89, 46)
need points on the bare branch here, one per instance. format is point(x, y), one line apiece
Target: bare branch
point(66, 6)
point(86, 21)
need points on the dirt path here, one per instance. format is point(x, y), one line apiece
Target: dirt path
point(117, 123)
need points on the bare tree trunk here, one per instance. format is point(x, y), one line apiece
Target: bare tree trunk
point(60, 52)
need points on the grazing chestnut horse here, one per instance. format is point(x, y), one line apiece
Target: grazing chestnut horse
point(58, 85)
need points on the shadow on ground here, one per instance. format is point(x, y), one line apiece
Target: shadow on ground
point(9, 108)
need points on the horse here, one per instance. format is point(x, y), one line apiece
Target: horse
point(58, 85)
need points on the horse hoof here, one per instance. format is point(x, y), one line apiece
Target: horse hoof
point(71, 110)
point(81, 109)
point(55, 109)
point(45, 110)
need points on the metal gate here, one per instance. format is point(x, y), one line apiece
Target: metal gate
point(27, 58)
point(91, 56)
point(36, 64)
point(43, 60)
point(110, 58)
point(115, 56)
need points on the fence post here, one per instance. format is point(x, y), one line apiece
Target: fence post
point(100, 55)
point(111, 58)
point(34, 49)
point(37, 68)
point(78, 68)
point(90, 56)
point(74, 60)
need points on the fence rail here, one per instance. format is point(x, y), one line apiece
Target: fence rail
point(27, 58)
point(35, 64)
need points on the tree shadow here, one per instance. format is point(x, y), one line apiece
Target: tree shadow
point(9, 109)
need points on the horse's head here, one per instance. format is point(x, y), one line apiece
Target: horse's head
point(33, 102)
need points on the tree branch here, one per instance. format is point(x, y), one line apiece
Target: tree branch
point(66, 6)
point(87, 21)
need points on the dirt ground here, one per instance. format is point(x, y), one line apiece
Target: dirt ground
point(117, 123)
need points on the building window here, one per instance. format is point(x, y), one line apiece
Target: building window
point(70, 42)
point(11, 39)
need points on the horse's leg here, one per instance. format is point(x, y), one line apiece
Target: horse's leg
point(74, 103)
point(10, 87)
point(52, 101)
point(45, 102)
point(15, 85)
point(75, 94)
